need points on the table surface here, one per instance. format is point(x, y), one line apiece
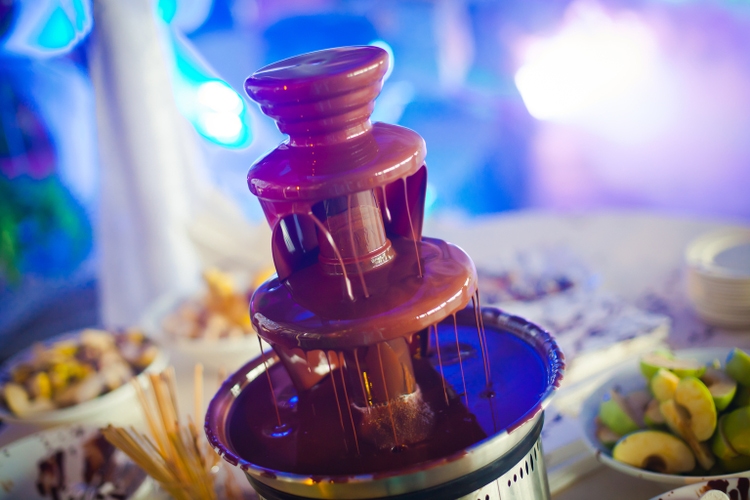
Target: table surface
point(638, 256)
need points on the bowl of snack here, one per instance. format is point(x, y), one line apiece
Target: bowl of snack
point(674, 418)
point(71, 462)
point(77, 377)
point(211, 326)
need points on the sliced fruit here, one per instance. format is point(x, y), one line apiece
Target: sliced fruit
point(742, 398)
point(703, 455)
point(39, 386)
point(637, 402)
point(738, 366)
point(16, 398)
point(650, 364)
point(663, 384)
point(678, 420)
point(605, 435)
point(737, 429)
point(737, 464)
point(716, 470)
point(40, 405)
point(656, 451)
point(615, 414)
point(653, 417)
point(721, 386)
point(719, 444)
point(694, 396)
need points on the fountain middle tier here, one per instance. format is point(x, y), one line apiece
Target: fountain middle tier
point(311, 311)
point(308, 318)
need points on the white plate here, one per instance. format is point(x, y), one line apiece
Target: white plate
point(116, 407)
point(724, 254)
point(629, 379)
point(19, 465)
point(695, 491)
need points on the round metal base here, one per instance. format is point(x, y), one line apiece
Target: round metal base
point(506, 464)
point(518, 474)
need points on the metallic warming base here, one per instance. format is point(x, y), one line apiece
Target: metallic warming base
point(518, 474)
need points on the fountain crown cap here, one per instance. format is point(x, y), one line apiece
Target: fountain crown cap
point(324, 97)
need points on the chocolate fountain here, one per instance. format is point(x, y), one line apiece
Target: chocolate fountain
point(386, 379)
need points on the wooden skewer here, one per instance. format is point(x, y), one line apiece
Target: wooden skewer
point(198, 391)
point(172, 391)
point(175, 454)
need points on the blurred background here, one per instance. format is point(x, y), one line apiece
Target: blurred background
point(125, 133)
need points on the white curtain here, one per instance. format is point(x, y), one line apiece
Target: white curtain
point(151, 167)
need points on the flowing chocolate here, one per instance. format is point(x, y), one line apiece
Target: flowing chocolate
point(345, 200)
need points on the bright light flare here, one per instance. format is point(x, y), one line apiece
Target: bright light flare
point(226, 128)
point(220, 97)
point(593, 60)
point(218, 111)
point(213, 107)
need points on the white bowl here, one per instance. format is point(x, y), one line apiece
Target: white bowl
point(19, 464)
point(119, 406)
point(629, 379)
point(226, 353)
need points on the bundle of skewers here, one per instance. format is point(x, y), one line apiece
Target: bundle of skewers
point(175, 454)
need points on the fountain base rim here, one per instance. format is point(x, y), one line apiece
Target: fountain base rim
point(449, 489)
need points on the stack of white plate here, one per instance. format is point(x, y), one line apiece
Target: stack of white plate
point(719, 277)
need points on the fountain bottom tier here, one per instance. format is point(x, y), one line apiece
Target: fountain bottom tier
point(485, 395)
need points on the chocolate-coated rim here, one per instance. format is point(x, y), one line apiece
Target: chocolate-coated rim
point(318, 75)
point(404, 156)
point(538, 337)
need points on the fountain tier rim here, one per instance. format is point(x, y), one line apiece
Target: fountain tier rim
point(349, 333)
point(384, 155)
point(318, 75)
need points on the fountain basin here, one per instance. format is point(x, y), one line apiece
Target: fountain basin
point(481, 435)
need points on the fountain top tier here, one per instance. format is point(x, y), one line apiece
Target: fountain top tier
point(323, 97)
point(324, 100)
point(340, 186)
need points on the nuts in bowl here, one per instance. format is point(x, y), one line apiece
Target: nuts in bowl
point(222, 312)
point(211, 326)
point(66, 379)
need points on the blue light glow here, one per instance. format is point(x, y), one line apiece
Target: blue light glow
point(430, 198)
point(58, 32)
point(214, 108)
point(167, 9)
point(392, 61)
point(81, 15)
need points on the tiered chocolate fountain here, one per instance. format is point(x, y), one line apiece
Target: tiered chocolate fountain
point(386, 379)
